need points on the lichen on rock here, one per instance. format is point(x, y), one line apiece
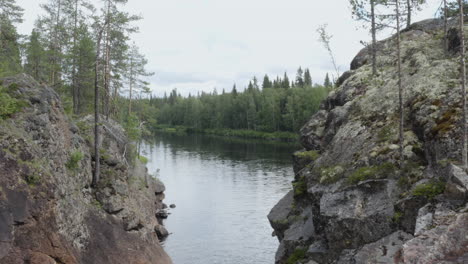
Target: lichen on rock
point(365, 207)
point(48, 211)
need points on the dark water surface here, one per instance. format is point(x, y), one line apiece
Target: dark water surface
point(223, 189)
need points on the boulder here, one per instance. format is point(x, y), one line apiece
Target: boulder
point(385, 250)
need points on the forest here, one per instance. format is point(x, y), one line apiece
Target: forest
point(278, 105)
point(86, 53)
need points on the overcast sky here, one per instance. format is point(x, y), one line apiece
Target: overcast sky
point(196, 45)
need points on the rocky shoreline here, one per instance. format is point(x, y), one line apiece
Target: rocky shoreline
point(351, 202)
point(48, 211)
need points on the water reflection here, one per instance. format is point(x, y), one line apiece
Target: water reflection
point(223, 190)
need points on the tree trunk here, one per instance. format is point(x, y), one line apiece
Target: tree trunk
point(408, 19)
point(56, 46)
point(131, 87)
point(374, 39)
point(463, 83)
point(75, 91)
point(445, 27)
point(400, 87)
point(97, 165)
point(107, 66)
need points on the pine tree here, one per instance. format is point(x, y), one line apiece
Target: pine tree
point(115, 47)
point(327, 83)
point(136, 70)
point(266, 82)
point(75, 11)
point(52, 27)
point(365, 10)
point(307, 78)
point(10, 61)
point(300, 77)
point(285, 82)
point(10, 13)
point(411, 5)
point(85, 59)
point(35, 57)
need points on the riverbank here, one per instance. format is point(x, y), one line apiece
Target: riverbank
point(241, 133)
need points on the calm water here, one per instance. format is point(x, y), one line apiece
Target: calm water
point(223, 190)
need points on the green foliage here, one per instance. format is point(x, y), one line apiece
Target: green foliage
point(75, 158)
point(33, 179)
point(96, 204)
point(397, 217)
point(372, 172)
point(300, 186)
point(386, 133)
point(311, 155)
point(446, 122)
point(8, 104)
point(329, 175)
point(10, 61)
point(132, 127)
point(298, 255)
point(143, 159)
point(273, 109)
point(430, 189)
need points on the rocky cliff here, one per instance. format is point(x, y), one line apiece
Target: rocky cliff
point(351, 202)
point(48, 212)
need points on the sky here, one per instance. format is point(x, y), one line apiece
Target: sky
point(200, 45)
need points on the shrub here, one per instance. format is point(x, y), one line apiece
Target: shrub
point(430, 189)
point(297, 255)
point(329, 175)
point(33, 179)
point(300, 186)
point(75, 158)
point(311, 155)
point(143, 159)
point(373, 172)
point(8, 105)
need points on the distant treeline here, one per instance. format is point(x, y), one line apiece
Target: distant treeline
point(278, 106)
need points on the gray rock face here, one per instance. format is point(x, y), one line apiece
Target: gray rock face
point(278, 216)
point(364, 207)
point(445, 243)
point(385, 250)
point(48, 212)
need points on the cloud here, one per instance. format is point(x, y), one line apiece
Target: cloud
point(198, 45)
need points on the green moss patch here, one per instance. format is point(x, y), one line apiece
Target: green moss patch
point(73, 161)
point(298, 255)
point(329, 175)
point(300, 186)
point(143, 159)
point(430, 189)
point(445, 123)
point(9, 105)
point(311, 155)
point(372, 172)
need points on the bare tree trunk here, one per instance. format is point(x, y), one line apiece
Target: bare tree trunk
point(445, 27)
point(374, 39)
point(97, 165)
point(408, 19)
point(55, 44)
point(75, 91)
point(107, 67)
point(400, 87)
point(463, 83)
point(131, 87)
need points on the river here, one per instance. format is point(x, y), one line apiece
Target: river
point(223, 189)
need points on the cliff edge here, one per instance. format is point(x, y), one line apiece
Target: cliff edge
point(48, 212)
point(351, 202)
